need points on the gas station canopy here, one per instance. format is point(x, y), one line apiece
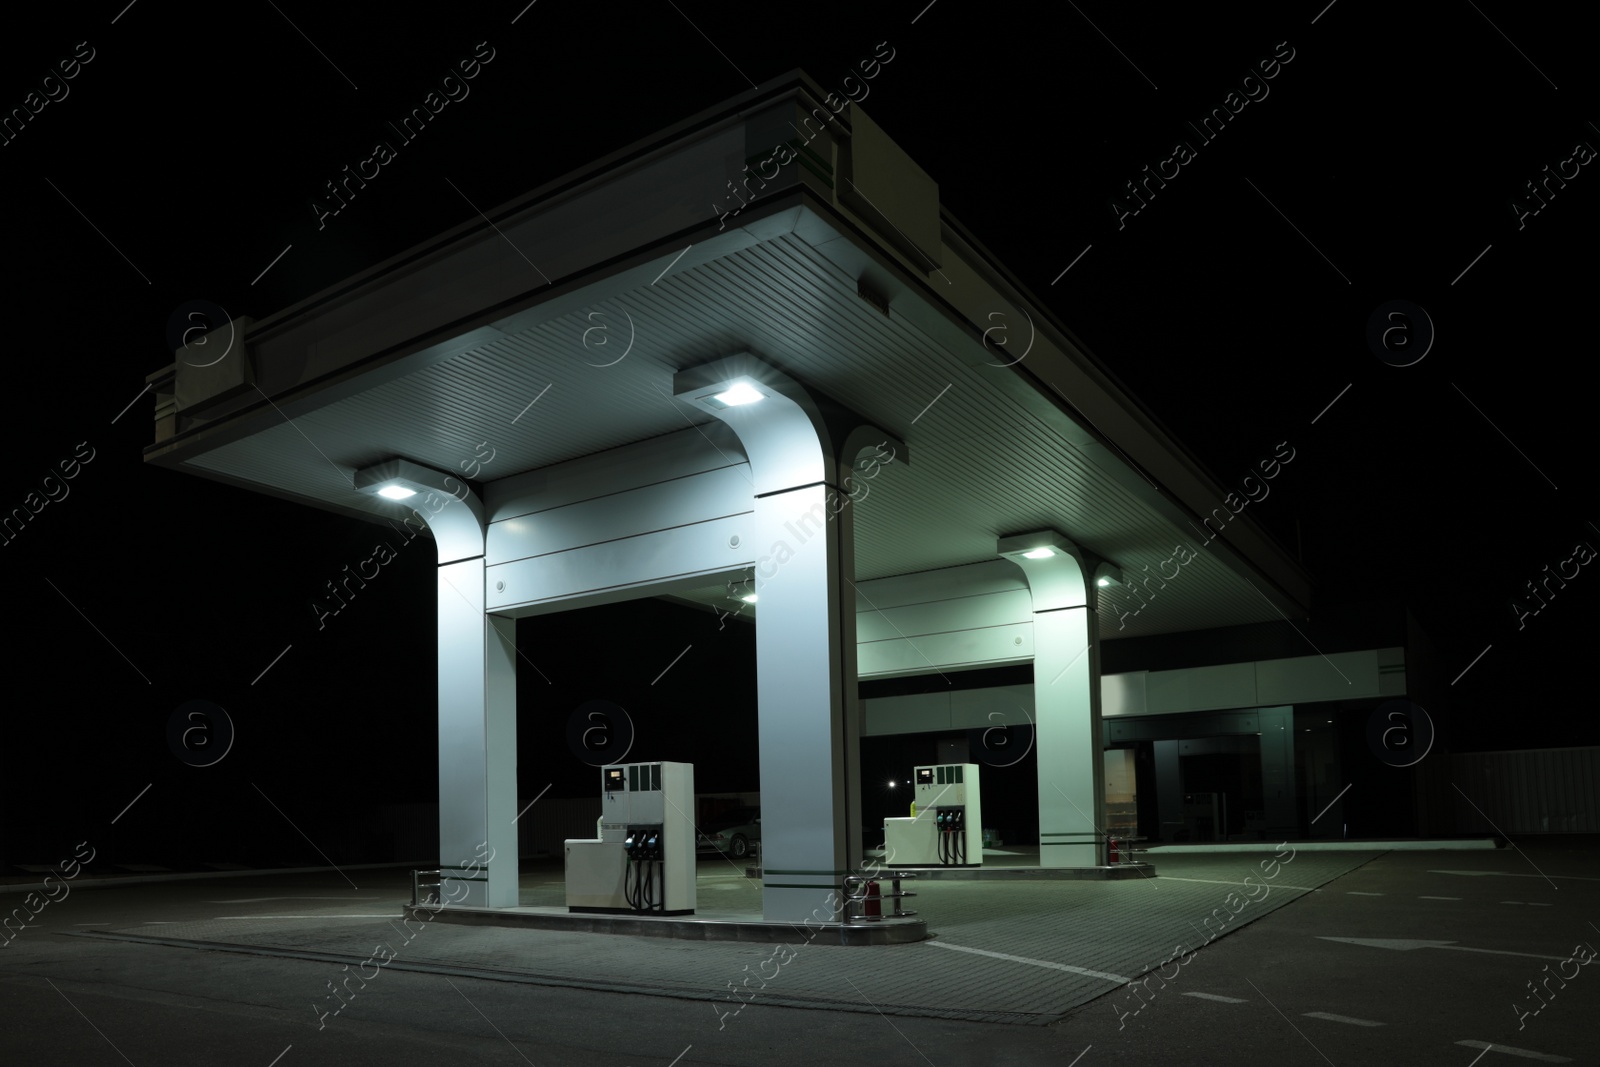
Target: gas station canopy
point(822, 391)
point(550, 329)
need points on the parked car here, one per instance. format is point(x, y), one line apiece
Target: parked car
point(733, 832)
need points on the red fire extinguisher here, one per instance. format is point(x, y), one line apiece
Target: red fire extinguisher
point(1112, 857)
point(872, 906)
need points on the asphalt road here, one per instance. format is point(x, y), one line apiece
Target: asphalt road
point(1461, 949)
point(1451, 941)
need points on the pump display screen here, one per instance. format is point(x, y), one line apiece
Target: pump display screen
point(924, 775)
point(614, 780)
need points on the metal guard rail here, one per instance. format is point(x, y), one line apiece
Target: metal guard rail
point(436, 896)
point(855, 896)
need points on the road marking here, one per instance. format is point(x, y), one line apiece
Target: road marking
point(1524, 1053)
point(1241, 885)
point(1518, 874)
point(1358, 893)
point(1339, 1018)
point(1473, 874)
point(262, 900)
point(1438, 898)
point(352, 915)
point(1400, 944)
point(1219, 999)
point(1036, 963)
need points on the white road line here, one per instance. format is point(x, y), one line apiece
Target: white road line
point(1405, 944)
point(1241, 885)
point(1518, 874)
point(1438, 898)
point(1358, 893)
point(1036, 963)
point(1524, 1053)
point(1219, 999)
point(388, 915)
point(264, 900)
point(1339, 1018)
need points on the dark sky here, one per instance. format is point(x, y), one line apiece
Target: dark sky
point(1381, 162)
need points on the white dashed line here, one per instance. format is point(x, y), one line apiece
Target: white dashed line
point(1354, 893)
point(1524, 1053)
point(336, 915)
point(1241, 885)
point(1036, 963)
point(1217, 998)
point(1339, 1018)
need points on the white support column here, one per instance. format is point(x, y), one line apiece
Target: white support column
point(477, 744)
point(477, 694)
point(1066, 688)
point(808, 711)
point(807, 717)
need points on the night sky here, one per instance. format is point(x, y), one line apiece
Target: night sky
point(1386, 158)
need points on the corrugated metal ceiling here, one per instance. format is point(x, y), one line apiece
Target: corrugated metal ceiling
point(982, 465)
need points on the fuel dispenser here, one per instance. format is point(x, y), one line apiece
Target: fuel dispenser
point(947, 830)
point(643, 860)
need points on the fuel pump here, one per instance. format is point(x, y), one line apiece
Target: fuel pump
point(950, 823)
point(949, 815)
point(643, 860)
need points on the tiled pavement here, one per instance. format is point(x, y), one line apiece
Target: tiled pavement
point(1023, 952)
